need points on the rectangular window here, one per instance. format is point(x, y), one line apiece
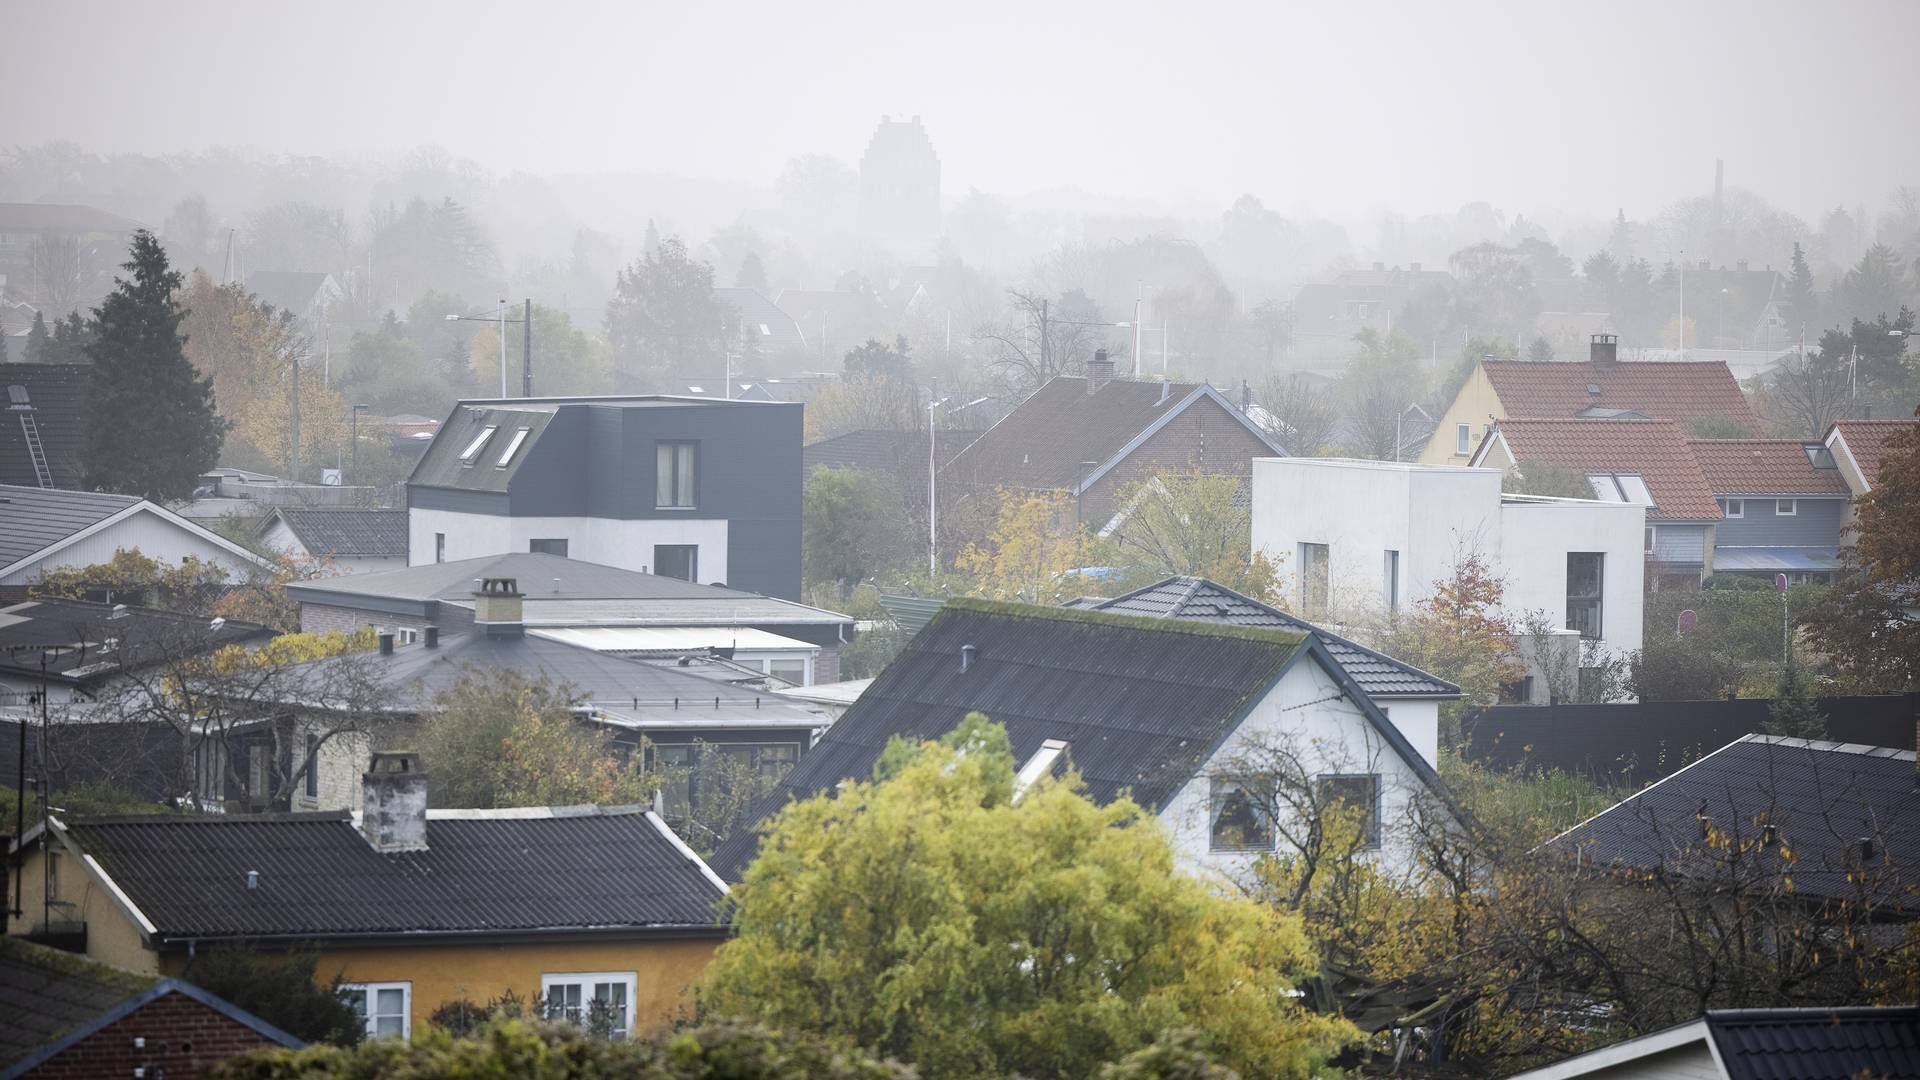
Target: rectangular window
point(385, 1008)
point(601, 1001)
point(256, 772)
point(1234, 822)
point(439, 547)
point(793, 672)
point(676, 474)
point(1315, 578)
point(677, 561)
point(549, 546)
point(313, 766)
point(405, 636)
point(479, 443)
point(1390, 587)
point(1358, 793)
point(1734, 507)
point(1652, 538)
point(513, 447)
point(1786, 507)
point(1586, 577)
point(1462, 439)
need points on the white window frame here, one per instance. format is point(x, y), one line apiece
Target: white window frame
point(472, 453)
point(1463, 439)
point(1376, 815)
point(586, 981)
point(403, 635)
point(1734, 508)
point(1653, 538)
point(1391, 572)
point(1786, 507)
point(513, 447)
point(371, 991)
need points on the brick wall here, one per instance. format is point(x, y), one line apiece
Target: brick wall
point(826, 665)
point(1205, 437)
point(182, 1037)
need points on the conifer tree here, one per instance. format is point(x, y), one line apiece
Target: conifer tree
point(1805, 307)
point(36, 350)
point(152, 428)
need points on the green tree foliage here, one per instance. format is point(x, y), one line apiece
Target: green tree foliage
point(431, 245)
point(932, 916)
point(279, 989)
point(1681, 667)
point(752, 273)
point(152, 427)
point(1795, 711)
point(1866, 623)
point(663, 321)
point(35, 351)
point(1382, 381)
point(1540, 351)
point(1178, 1055)
point(1494, 290)
point(1190, 522)
point(497, 738)
point(390, 370)
point(70, 342)
point(1803, 304)
point(1533, 476)
point(851, 527)
point(1875, 286)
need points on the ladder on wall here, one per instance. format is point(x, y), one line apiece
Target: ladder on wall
point(35, 450)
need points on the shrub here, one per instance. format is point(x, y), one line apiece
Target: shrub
point(279, 989)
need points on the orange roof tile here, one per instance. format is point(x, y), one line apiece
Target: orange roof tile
point(1654, 450)
point(1867, 441)
point(1764, 467)
point(1663, 391)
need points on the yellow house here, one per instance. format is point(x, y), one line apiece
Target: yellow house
point(594, 910)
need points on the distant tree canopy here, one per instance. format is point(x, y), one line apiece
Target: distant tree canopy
point(664, 323)
point(1535, 477)
point(1867, 624)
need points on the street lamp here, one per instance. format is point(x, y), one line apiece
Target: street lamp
point(500, 319)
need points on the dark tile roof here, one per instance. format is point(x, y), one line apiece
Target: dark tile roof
point(884, 451)
point(1822, 796)
point(37, 518)
point(46, 993)
point(1867, 441)
point(94, 643)
point(505, 871)
point(1817, 1044)
point(58, 394)
point(345, 532)
point(1207, 601)
point(1654, 450)
point(1666, 391)
point(1764, 467)
point(1141, 702)
point(1046, 440)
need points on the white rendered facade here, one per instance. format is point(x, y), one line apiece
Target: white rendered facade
point(624, 542)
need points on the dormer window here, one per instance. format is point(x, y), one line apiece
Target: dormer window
point(479, 443)
point(1620, 488)
point(1819, 456)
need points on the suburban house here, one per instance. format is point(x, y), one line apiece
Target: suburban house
point(1601, 387)
point(764, 327)
point(1095, 437)
point(1328, 314)
point(699, 489)
point(1374, 536)
point(1190, 719)
point(350, 541)
point(1409, 697)
point(44, 429)
point(1858, 448)
point(1749, 1044)
point(243, 498)
point(606, 608)
point(1645, 462)
point(1782, 502)
point(589, 908)
point(835, 321)
point(47, 530)
point(307, 295)
point(68, 1016)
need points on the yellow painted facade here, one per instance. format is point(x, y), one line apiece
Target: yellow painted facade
point(1473, 406)
point(664, 971)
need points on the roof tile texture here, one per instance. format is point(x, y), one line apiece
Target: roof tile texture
point(1667, 391)
point(1044, 443)
point(1764, 467)
point(1655, 450)
point(1867, 441)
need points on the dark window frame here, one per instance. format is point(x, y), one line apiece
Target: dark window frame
point(666, 459)
point(1220, 789)
point(1377, 790)
point(693, 560)
point(1596, 601)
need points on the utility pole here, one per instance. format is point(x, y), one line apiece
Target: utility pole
point(293, 461)
point(526, 351)
point(1046, 360)
point(503, 346)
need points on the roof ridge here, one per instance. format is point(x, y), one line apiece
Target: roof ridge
point(1007, 609)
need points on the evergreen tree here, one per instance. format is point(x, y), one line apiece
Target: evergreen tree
point(37, 343)
point(1804, 307)
point(152, 428)
point(68, 344)
point(1795, 711)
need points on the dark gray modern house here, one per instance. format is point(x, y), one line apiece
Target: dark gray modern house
point(699, 489)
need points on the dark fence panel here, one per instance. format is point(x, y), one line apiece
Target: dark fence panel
point(1635, 745)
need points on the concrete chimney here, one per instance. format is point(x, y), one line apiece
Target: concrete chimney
point(393, 803)
point(1604, 348)
point(1099, 371)
point(497, 607)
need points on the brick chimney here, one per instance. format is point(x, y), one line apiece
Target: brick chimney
point(393, 803)
point(497, 607)
point(1604, 348)
point(1099, 371)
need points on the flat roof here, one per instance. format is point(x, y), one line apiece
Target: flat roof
point(671, 638)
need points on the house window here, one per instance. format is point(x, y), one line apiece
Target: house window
point(792, 671)
point(1786, 507)
point(1734, 508)
point(1315, 578)
point(256, 772)
point(385, 1008)
point(1353, 793)
point(677, 561)
point(1390, 587)
point(549, 546)
point(1586, 575)
point(405, 635)
point(1234, 822)
point(439, 547)
point(598, 1001)
point(313, 766)
point(479, 443)
point(1462, 439)
point(676, 474)
point(513, 447)
point(1653, 537)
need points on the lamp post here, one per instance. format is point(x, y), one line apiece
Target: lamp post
point(500, 319)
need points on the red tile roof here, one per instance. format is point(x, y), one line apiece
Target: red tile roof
point(1867, 441)
point(1654, 450)
point(1664, 391)
point(1764, 467)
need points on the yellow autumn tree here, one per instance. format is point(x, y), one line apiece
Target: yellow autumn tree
point(1030, 549)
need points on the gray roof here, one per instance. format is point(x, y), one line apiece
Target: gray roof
point(58, 396)
point(1817, 1044)
point(770, 327)
point(502, 871)
point(93, 643)
point(1823, 797)
point(37, 518)
point(45, 993)
point(344, 532)
point(1198, 598)
point(289, 290)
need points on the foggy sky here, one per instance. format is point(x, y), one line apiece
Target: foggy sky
point(1344, 108)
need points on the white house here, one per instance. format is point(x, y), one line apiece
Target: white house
point(48, 529)
point(1376, 536)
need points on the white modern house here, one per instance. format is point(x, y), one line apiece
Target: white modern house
point(1372, 537)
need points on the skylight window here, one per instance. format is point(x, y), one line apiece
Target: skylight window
point(1039, 765)
point(472, 452)
point(513, 447)
point(1620, 488)
point(765, 330)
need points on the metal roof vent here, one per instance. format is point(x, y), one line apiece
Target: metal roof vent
point(1593, 388)
point(966, 657)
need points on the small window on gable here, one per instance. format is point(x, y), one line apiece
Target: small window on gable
point(1462, 438)
point(765, 330)
point(1819, 456)
point(479, 443)
point(1786, 507)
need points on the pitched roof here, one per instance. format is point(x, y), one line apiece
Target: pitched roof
point(1822, 796)
point(1654, 450)
point(1666, 391)
point(564, 869)
point(1141, 702)
point(289, 290)
point(45, 993)
point(771, 328)
point(884, 451)
point(1764, 467)
point(344, 532)
point(38, 518)
point(95, 641)
point(58, 395)
point(1047, 440)
point(1816, 1044)
point(1209, 601)
point(1867, 441)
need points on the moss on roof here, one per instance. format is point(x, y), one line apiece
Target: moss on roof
point(1007, 609)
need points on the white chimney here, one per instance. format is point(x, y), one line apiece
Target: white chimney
point(393, 803)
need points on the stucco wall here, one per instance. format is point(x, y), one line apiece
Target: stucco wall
point(1475, 402)
point(149, 533)
point(112, 936)
point(626, 543)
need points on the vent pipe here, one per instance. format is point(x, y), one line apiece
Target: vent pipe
point(966, 658)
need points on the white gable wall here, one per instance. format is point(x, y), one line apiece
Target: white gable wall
point(623, 542)
point(153, 535)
